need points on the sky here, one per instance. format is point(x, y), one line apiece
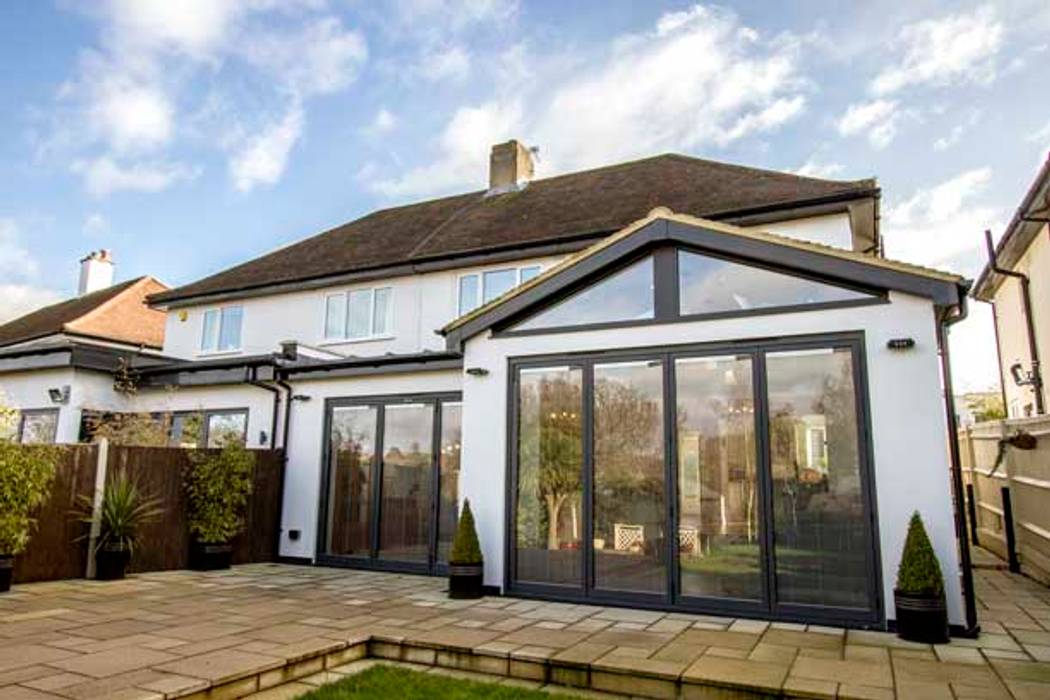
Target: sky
point(190, 136)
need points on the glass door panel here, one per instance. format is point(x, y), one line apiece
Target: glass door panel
point(408, 460)
point(449, 454)
point(351, 455)
point(548, 504)
point(629, 484)
point(822, 541)
point(719, 538)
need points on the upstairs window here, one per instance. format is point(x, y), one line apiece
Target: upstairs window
point(477, 289)
point(626, 295)
point(710, 285)
point(360, 314)
point(221, 329)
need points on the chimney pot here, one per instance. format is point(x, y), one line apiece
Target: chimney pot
point(96, 272)
point(510, 167)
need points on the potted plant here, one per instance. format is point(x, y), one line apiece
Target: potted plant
point(125, 509)
point(217, 488)
point(922, 613)
point(26, 475)
point(466, 567)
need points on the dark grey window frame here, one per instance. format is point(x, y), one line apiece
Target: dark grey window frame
point(768, 607)
point(372, 561)
point(38, 412)
point(202, 441)
point(666, 294)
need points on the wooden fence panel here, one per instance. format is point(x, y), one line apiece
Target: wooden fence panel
point(159, 472)
point(1026, 473)
point(52, 552)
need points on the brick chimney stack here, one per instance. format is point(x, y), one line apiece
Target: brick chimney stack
point(510, 167)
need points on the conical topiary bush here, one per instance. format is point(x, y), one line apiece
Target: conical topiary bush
point(466, 566)
point(922, 612)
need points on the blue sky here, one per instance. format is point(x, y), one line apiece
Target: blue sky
point(189, 136)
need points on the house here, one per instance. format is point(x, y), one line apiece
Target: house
point(668, 383)
point(60, 359)
point(1015, 279)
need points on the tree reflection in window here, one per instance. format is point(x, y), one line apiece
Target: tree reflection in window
point(550, 465)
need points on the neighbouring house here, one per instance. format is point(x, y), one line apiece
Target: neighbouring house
point(59, 360)
point(1015, 279)
point(669, 383)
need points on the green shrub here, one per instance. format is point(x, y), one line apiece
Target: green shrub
point(217, 488)
point(465, 547)
point(26, 474)
point(919, 572)
point(125, 509)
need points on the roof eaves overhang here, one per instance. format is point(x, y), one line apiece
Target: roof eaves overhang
point(1024, 226)
point(944, 289)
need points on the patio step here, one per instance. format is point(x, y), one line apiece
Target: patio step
point(626, 676)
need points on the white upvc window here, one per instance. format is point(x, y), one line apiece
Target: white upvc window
point(221, 329)
point(359, 314)
point(476, 288)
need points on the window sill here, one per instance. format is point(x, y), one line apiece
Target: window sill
point(219, 353)
point(350, 341)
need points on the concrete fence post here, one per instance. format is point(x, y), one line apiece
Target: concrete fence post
point(96, 505)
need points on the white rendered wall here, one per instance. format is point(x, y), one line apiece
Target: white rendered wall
point(88, 390)
point(258, 402)
point(833, 230)
point(302, 486)
point(907, 413)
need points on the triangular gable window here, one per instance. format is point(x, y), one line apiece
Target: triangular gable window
point(626, 295)
point(710, 285)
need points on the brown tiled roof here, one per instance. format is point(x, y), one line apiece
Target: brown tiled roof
point(118, 313)
point(552, 210)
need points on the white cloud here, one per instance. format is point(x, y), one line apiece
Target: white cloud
point(15, 260)
point(451, 16)
point(958, 131)
point(954, 49)
point(941, 222)
point(1040, 134)
point(262, 158)
point(449, 63)
point(877, 118)
point(192, 26)
point(96, 225)
point(814, 168)
point(104, 175)
point(697, 78)
point(19, 299)
point(132, 116)
point(384, 122)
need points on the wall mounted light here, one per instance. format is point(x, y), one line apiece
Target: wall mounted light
point(59, 395)
point(900, 343)
point(301, 397)
point(477, 371)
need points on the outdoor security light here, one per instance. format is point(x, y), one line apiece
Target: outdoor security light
point(1021, 377)
point(59, 395)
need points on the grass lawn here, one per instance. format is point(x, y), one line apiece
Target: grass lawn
point(391, 682)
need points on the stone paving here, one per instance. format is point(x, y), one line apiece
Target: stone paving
point(231, 634)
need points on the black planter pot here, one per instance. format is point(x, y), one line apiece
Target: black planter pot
point(111, 562)
point(921, 618)
point(465, 580)
point(7, 568)
point(210, 556)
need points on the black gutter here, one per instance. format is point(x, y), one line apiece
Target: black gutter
point(972, 629)
point(1029, 322)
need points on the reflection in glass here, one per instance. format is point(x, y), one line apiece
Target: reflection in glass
point(548, 518)
point(719, 553)
point(230, 328)
point(626, 295)
point(404, 515)
point(451, 447)
point(712, 285)
point(224, 428)
point(352, 440)
point(629, 483)
point(39, 427)
point(185, 430)
point(468, 293)
point(821, 536)
point(499, 282)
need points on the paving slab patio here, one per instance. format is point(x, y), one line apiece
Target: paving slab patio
point(260, 627)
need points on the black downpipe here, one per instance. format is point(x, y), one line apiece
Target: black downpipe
point(969, 599)
point(1026, 299)
point(284, 457)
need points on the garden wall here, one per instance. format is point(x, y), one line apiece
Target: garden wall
point(53, 553)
